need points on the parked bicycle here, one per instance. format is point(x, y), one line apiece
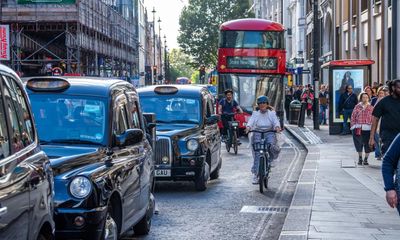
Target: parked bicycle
point(264, 167)
point(232, 140)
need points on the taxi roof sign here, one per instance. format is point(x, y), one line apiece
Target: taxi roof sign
point(166, 90)
point(47, 84)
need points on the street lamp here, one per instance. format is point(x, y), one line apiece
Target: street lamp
point(165, 58)
point(154, 45)
point(159, 36)
point(316, 52)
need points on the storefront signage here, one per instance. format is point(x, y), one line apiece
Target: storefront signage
point(4, 42)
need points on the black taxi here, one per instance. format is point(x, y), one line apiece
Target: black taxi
point(188, 141)
point(92, 129)
point(26, 179)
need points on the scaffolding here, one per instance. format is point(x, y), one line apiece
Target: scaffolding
point(89, 37)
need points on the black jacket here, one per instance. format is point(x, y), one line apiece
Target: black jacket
point(347, 101)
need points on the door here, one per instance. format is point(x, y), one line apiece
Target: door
point(126, 162)
point(14, 174)
point(213, 136)
point(143, 150)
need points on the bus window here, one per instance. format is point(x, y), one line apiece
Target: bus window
point(251, 39)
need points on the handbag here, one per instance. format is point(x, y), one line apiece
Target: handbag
point(357, 131)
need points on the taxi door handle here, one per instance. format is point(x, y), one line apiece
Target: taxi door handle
point(3, 211)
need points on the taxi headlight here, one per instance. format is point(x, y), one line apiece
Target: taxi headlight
point(80, 187)
point(192, 144)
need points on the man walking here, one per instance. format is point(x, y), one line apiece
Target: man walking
point(388, 110)
point(323, 105)
point(389, 169)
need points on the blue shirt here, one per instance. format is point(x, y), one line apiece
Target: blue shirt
point(228, 107)
point(389, 164)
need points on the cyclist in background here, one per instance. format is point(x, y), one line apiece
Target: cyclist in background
point(262, 120)
point(227, 105)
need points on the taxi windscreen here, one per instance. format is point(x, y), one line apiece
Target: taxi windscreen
point(69, 119)
point(173, 109)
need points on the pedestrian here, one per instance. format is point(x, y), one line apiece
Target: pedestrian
point(347, 102)
point(390, 168)
point(323, 104)
point(377, 145)
point(388, 110)
point(288, 100)
point(297, 94)
point(308, 97)
point(361, 121)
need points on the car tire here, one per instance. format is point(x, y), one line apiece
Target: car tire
point(110, 229)
point(200, 182)
point(144, 225)
point(215, 174)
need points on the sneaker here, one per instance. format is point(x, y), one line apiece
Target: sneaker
point(255, 179)
point(360, 162)
point(379, 158)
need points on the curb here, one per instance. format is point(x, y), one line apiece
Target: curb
point(298, 218)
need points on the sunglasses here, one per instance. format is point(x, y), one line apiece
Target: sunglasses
point(262, 103)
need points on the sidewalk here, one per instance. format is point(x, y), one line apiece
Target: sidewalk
point(335, 198)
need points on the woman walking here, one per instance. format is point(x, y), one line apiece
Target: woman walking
point(308, 97)
point(361, 121)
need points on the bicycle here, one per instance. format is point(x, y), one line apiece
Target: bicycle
point(264, 167)
point(232, 138)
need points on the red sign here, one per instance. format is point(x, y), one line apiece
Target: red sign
point(4, 42)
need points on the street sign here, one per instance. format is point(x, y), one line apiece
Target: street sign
point(299, 60)
point(306, 71)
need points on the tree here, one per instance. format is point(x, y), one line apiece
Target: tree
point(179, 64)
point(199, 27)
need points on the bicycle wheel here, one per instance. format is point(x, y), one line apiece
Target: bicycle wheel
point(261, 174)
point(267, 171)
point(235, 142)
point(228, 142)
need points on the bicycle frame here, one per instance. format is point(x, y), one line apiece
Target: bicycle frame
point(264, 167)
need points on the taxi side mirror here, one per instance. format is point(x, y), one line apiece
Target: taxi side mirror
point(129, 137)
point(213, 119)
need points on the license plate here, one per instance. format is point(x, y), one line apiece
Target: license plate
point(163, 173)
point(235, 124)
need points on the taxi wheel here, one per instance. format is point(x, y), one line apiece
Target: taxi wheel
point(143, 226)
point(110, 230)
point(201, 181)
point(215, 174)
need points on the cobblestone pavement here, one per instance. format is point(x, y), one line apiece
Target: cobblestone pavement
point(335, 198)
point(231, 207)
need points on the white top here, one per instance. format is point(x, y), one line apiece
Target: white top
point(267, 120)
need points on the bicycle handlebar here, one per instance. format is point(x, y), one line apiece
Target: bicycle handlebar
point(267, 131)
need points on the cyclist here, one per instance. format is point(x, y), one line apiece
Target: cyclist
point(263, 119)
point(227, 105)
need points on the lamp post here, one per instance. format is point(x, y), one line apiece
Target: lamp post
point(154, 46)
point(160, 44)
point(316, 50)
point(165, 58)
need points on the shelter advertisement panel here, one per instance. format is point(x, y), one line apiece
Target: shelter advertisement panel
point(342, 78)
point(4, 42)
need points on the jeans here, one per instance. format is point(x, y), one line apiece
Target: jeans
point(225, 122)
point(322, 114)
point(270, 138)
point(377, 146)
point(346, 116)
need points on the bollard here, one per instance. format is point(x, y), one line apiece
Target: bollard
point(302, 115)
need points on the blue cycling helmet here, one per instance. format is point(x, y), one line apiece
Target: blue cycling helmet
point(262, 99)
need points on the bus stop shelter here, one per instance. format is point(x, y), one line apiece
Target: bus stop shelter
point(341, 73)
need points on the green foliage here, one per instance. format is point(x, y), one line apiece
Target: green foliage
point(199, 27)
point(179, 64)
point(195, 77)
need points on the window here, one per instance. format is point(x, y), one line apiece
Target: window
point(252, 39)
point(21, 124)
point(134, 110)
point(4, 140)
point(121, 120)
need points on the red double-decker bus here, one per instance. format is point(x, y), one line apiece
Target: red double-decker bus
point(252, 62)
